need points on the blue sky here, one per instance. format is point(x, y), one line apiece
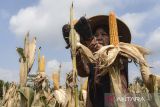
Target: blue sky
point(45, 18)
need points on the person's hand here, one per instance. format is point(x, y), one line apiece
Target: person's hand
point(92, 44)
point(97, 46)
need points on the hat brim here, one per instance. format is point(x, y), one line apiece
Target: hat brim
point(103, 20)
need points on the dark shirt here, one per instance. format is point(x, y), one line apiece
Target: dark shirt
point(98, 87)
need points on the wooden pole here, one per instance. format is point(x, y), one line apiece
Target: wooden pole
point(73, 41)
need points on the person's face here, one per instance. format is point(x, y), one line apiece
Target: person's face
point(102, 37)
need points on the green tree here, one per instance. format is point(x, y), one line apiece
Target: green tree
point(1, 88)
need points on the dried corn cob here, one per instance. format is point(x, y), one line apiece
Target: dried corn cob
point(113, 30)
point(42, 65)
point(56, 78)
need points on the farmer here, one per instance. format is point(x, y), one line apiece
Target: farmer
point(94, 33)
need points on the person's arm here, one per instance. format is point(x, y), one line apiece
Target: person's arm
point(82, 67)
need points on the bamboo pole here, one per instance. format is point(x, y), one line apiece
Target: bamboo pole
point(73, 41)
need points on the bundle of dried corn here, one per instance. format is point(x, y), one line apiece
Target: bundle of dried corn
point(40, 82)
point(70, 97)
point(108, 54)
point(42, 92)
point(137, 88)
point(37, 100)
point(60, 96)
point(11, 97)
point(152, 83)
point(42, 99)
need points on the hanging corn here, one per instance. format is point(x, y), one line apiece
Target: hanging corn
point(113, 30)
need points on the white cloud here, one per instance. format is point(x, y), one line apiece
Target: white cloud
point(45, 20)
point(53, 65)
point(9, 75)
point(135, 22)
point(154, 41)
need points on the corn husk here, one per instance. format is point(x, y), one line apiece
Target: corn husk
point(32, 51)
point(108, 54)
point(11, 97)
point(86, 53)
point(60, 96)
point(137, 88)
point(24, 65)
point(23, 73)
point(26, 45)
point(28, 94)
point(29, 51)
point(56, 78)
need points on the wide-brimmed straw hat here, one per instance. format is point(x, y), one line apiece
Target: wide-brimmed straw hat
point(103, 20)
